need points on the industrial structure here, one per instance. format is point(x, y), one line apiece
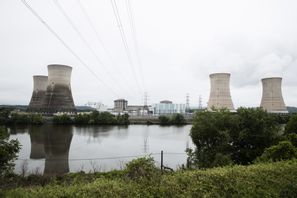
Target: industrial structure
point(220, 96)
point(38, 95)
point(167, 107)
point(58, 97)
point(272, 98)
point(121, 106)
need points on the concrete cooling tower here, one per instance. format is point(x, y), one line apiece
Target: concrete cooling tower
point(220, 96)
point(39, 90)
point(272, 98)
point(58, 96)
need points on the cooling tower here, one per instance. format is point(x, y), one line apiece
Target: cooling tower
point(272, 98)
point(220, 96)
point(58, 97)
point(38, 95)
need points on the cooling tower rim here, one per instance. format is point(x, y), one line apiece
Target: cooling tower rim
point(59, 65)
point(40, 76)
point(270, 78)
point(220, 73)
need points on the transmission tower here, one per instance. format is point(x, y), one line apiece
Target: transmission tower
point(200, 102)
point(187, 102)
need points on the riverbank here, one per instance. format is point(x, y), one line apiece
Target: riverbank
point(260, 180)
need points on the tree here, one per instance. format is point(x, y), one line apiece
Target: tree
point(256, 130)
point(164, 120)
point(8, 152)
point(211, 135)
point(284, 150)
point(222, 137)
point(62, 119)
point(291, 126)
point(177, 119)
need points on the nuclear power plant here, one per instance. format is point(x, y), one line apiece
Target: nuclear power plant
point(53, 94)
point(272, 98)
point(220, 96)
point(38, 95)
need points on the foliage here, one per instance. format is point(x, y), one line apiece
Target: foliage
point(261, 180)
point(25, 118)
point(4, 115)
point(292, 138)
point(62, 119)
point(81, 118)
point(164, 120)
point(8, 152)
point(284, 150)
point(142, 168)
point(175, 119)
point(291, 126)
point(222, 137)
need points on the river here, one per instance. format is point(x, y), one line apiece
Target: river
point(55, 149)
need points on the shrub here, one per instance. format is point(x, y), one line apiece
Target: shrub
point(62, 119)
point(142, 168)
point(164, 120)
point(284, 150)
point(8, 152)
point(177, 119)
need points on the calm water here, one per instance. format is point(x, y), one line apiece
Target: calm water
point(59, 149)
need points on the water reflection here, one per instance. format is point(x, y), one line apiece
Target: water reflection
point(52, 143)
point(55, 149)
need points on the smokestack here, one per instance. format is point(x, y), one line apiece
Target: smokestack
point(58, 97)
point(272, 98)
point(39, 89)
point(220, 96)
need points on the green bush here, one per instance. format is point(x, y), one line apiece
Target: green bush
point(8, 152)
point(177, 119)
point(142, 168)
point(284, 150)
point(164, 120)
point(62, 119)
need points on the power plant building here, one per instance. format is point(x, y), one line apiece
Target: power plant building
point(167, 107)
point(38, 95)
point(220, 96)
point(272, 98)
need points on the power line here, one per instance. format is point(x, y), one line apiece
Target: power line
point(107, 158)
point(69, 20)
point(134, 36)
point(65, 45)
point(124, 39)
point(97, 35)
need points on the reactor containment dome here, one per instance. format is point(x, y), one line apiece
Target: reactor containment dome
point(272, 98)
point(220, 96)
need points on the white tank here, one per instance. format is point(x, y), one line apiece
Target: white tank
point(272, 98)
point(220, 96)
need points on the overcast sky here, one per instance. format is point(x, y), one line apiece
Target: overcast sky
point(180, 42)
